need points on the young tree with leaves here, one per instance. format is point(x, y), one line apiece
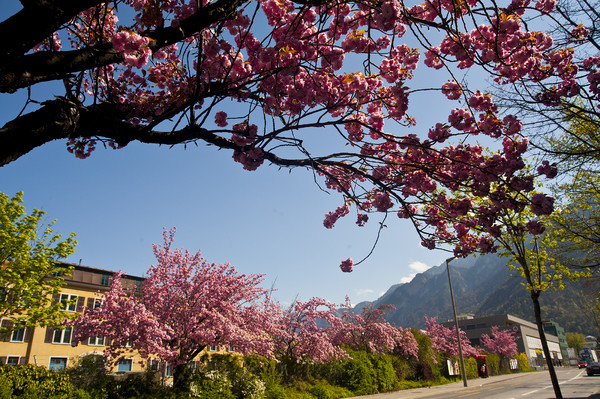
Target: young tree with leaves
point(576, 341)
point(183, 306)
point(30, 270)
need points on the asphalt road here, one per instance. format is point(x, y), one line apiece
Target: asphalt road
point(574, 383)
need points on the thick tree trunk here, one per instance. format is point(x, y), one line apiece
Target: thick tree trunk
point(182, 378)
point(538, 321)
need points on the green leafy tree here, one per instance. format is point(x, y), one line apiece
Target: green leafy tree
point(537, 257)
point(30, 273)
point(576, 341)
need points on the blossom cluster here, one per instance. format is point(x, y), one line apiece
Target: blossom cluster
point(444, 340)
point(299, 71)
point(501, 342)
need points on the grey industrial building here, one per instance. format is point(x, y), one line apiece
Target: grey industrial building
point(528, 338)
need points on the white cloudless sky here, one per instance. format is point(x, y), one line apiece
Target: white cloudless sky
point(268, 221)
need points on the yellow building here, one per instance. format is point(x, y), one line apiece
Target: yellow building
point(51, 347)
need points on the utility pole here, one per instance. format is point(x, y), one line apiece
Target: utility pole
point(460, 354)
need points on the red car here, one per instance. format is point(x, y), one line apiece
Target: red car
point(582, 364)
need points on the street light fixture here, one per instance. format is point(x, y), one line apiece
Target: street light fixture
point(460, 354)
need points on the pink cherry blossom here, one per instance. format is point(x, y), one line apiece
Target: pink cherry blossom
point(502, 342)
point(347, 265)
point(184, 305)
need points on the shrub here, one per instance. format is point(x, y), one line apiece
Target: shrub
point(241, 382)
point(36, 382)
point(136, 385)
point(384, 372)
point(213, 384)
point(275, 391)
point(523, 362)
point(89, 373)
point(6, 391)
point(320, 392)
point(493, 364)
point(425, 367)
point(471, 368)
point(264, 368)
point(358, 374)
point(244, 385)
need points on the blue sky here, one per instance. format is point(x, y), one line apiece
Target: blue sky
point(268, 221)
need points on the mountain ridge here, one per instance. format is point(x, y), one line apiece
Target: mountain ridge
point(484, 286)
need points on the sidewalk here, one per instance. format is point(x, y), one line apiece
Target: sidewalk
point(438, 389)
point(434, 390)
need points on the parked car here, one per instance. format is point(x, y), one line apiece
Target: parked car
point(593, 368)
point(583, 364)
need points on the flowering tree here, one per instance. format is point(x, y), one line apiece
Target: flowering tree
point(502, 342)
point(370, 332)
point(444, 340)
point(302, 333)
point(184, 305)
point(254, 76)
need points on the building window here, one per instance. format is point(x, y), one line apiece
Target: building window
point(213, 348)
point(98, 302)
point(18, 335)
point(57, 363)
point(124, 365)
point(96, 341)
point(154, 365)
point(105, 280)
point(230, 349)
point(138, 286)
point(62, 336)
point(69, 302)
point(169, 371)
point(12, 360)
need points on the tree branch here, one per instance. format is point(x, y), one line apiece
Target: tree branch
point(26, 70)
point(37, 21)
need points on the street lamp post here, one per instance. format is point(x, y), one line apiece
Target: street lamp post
point(460, 354)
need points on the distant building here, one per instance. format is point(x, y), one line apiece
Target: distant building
point(528, 338)
point(551, 327)
point(51, 347)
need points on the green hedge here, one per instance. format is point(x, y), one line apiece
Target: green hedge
point(31, 381)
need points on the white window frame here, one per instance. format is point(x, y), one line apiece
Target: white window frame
point(12, 336)
point(96, 340)
point(98, 302)
point(63, 334)
point(73, 298)
point(13, 357)
point(58, 357)
point(213, 348)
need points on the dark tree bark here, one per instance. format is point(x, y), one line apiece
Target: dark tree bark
point(535, 296)
point(182, 378)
